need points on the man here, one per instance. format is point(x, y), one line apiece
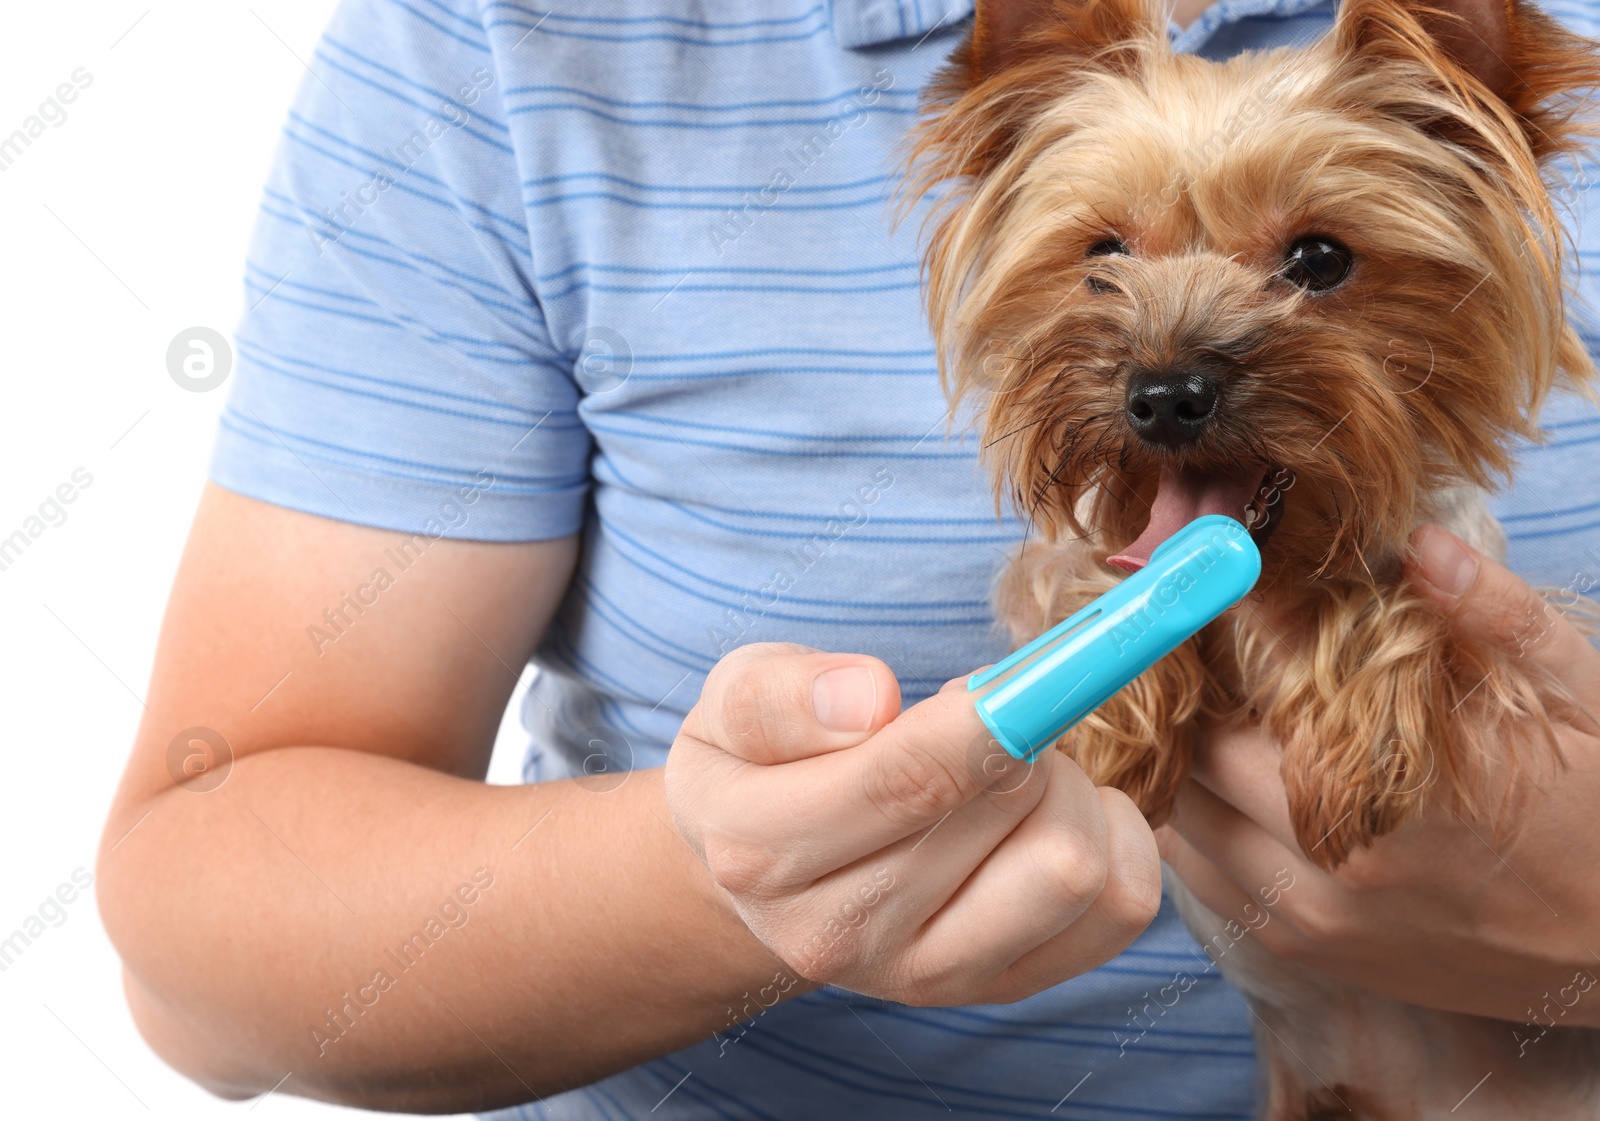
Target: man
point(583, 337)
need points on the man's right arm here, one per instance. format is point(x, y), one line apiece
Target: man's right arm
point(268, 925)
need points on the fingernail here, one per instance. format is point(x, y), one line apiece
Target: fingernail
point(1446, 561)
point(844, 699)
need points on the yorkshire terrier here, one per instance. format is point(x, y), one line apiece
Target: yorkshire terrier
point(1320, 290)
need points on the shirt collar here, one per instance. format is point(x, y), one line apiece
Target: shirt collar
point(1222, 13)
point(867, 23)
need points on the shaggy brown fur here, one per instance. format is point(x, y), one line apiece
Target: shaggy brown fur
point(1422, 140)
point(1411, 378)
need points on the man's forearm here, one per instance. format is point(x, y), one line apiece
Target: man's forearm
point(391, 937)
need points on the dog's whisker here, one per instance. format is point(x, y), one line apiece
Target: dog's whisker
point(1014, 431)
point(1043, 490)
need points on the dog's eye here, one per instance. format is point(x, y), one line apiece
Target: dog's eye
point(1317, 264)
point(1110, 247)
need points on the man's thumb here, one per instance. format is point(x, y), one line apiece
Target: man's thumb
point(1442, 566)
point(1488, 603)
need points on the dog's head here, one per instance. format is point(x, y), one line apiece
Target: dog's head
point(1179, 287)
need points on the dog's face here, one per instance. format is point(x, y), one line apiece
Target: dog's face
point(1302, 288)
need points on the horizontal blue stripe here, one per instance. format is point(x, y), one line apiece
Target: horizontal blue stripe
point(613, 531)
point(392, 324)
point(1544, 535)
point(707, 126)
point(632, 630)
point(803, 453)
point(771, 352)
point(692, 270)
point(269, 281)
point(659, 289)
point(465, 41)
point(652, 37)
point(852, 619)
point(700, 106)
point(278, 437)
point(1540, 515)
point(988, 1095)
point(775, 433)
point(812, 517)
point(409, 171)
point(1097, 1038)
point(703, 188)
point(413, 258)
point(517, 355)
point(670, 1078)
point(699, 25)
point(280, 364)
point(442, 95)
point(781, 206)
point(401, 185)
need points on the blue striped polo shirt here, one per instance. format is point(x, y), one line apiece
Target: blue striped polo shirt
point(625, 270)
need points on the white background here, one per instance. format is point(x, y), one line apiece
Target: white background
point(120, 227)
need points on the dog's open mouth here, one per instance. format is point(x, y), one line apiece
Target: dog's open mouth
point(1253, 497)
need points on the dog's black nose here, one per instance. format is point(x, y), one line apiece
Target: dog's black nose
point(1171, 407)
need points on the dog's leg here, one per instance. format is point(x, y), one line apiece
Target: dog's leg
point(1381, 706)
point(1353, 683)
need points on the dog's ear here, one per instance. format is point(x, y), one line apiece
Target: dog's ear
point(1019, 57)
point(1474, 35)
point(1506, 48)
point(1007, 33)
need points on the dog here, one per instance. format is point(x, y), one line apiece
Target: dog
point(1319, 289)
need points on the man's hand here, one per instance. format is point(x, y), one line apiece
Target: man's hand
point(901, 855)
point(1487, 918)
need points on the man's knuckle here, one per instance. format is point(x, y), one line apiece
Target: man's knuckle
point(912, 788)
point(1073, 867)
point(929, 981)
point(819, 949)
point(1367, 875)
point(822, 958)
point(744, 869)
point(1009, 988)
point(1309, 926)
point(1137, 897)
point(747, 710)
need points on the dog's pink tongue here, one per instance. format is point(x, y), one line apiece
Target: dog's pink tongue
point(1181, 497)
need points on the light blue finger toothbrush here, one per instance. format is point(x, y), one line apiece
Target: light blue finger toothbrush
point(1032, 697)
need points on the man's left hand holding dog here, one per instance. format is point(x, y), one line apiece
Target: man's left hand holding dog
point(1496, 919)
